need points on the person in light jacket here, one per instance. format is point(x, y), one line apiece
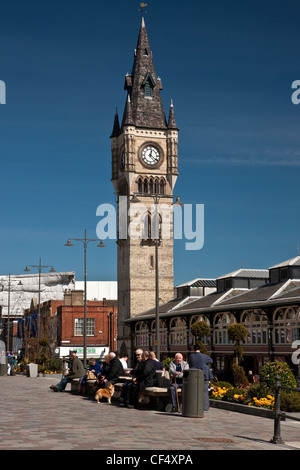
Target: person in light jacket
point(176, 371)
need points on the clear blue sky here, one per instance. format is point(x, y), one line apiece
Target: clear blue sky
point(227, 65)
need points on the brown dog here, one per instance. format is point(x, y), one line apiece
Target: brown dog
point(105, 392)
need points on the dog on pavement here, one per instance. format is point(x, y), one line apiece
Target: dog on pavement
point(105, 392)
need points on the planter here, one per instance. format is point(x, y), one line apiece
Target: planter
point(246, 409)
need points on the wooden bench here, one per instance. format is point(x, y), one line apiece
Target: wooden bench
point(157, 397)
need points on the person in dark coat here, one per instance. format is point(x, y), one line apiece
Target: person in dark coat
point(146, 378)
point(201, 361)
point(134, 373)
point(115, 370)
point(157, 364)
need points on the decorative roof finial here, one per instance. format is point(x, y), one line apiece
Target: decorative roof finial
point(143, 11)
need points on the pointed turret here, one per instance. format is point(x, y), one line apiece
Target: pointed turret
point(143, 87)
point(127, 117)
point(172, 122)
point(116, 128)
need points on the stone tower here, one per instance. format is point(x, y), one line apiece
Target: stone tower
point(144, 163)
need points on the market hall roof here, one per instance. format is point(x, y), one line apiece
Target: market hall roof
point(281, 293)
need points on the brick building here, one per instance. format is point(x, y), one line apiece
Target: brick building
point(62, 323)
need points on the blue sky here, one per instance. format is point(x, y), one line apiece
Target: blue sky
point(227, 65)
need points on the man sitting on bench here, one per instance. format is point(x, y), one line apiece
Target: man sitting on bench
point(176, 372)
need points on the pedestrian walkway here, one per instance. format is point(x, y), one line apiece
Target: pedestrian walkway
point(32, 417)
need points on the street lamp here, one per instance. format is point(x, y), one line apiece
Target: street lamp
point(156, 197)
point(85, 242)
point(39, 267)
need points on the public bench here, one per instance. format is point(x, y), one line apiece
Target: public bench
point(157, 397)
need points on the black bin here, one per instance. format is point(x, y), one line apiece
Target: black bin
point(193, 393)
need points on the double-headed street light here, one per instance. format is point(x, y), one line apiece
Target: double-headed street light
point(177, 202)
point(39, 267)
point(85, 242)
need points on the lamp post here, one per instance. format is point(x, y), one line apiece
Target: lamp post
point(156, 198)
point(85, 242)
point(39, 267)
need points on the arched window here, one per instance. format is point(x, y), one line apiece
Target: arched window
point(177, 332)
point(286, 325)
point(151, 186)
point(162, 186)
point(141, 335)
point(146, 185)
point(146, 231)
point(162, 333)
point(221, 323)
point(256, 324)
point(140, 185)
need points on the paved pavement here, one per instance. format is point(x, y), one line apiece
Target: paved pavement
point(32, 417)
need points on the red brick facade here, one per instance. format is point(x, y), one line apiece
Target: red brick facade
point(62, 323)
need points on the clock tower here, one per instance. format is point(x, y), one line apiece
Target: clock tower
point(144, 148)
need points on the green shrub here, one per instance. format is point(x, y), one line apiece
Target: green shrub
point(54, 365)
point(221, 384)
point(260, 390)
point(166, 362)
point(269, 371)
point(289, 401)
point(239, 376)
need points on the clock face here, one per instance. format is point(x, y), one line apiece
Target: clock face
point(150, 155)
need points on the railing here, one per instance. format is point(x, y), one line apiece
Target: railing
point(278, 414)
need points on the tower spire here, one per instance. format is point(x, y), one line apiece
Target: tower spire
point(143, 87)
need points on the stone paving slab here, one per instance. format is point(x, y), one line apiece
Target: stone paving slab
point(32, 417)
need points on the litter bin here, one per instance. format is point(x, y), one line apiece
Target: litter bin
point(32, 370)
point(193, 393)
point(3, 365)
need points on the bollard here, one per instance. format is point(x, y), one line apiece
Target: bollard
point(277, 414)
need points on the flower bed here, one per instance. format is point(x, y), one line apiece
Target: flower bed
point(241, 396)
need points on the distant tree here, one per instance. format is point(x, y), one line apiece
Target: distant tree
point(237, 333)
point(200, 330)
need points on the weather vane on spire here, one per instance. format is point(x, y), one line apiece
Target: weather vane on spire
point(143, 7)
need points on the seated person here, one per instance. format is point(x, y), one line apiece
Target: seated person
point(112, 373)
point(124, 360)
point(157, 364)
point(95, 368)
point(134, 373)
point(176, 372)
point(146, 378)
point(76, 371)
